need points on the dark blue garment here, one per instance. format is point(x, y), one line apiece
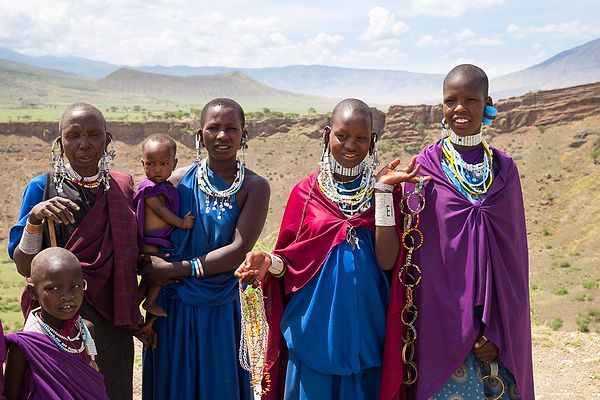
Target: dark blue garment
point(334, 326)
point(197, 352)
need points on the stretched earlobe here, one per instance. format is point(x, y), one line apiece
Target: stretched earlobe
point(85, 285)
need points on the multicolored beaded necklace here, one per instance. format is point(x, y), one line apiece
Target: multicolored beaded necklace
point(482, 175)
point(90, 182)
point(254, 337)
point(220, 199)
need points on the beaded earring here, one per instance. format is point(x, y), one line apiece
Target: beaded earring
point(199, 145)
point(58, 164)
point(373, 152)
point(489, 115)
point(324, 163)
point(445, 129)
point(244, 146)
point(107, 157)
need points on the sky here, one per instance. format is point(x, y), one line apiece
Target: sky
point(427, 36)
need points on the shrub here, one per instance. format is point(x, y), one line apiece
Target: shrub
point(556, 324)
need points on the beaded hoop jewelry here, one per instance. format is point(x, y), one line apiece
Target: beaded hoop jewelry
point(254, 337)
point(410, 276)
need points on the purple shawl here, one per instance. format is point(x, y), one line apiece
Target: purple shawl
point(2, 359)
point(147, 188)
point(473, 255)
point(56, 374)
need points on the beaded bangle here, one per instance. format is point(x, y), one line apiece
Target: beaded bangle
point(30, 243)
point(384, 209)
point(192, 269)
point(384, 187)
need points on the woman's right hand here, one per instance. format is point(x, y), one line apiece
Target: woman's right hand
point(255, 267)
point(57, 209)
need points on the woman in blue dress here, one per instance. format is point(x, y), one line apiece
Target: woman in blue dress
point(326, 290)
point(196, 356)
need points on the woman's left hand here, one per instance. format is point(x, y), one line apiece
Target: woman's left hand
point(392, 176)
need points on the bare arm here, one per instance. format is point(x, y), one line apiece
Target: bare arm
point(387, 243)
point(249, 226)
point(163, 212)
point(14, 372)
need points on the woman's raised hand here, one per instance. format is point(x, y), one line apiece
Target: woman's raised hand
point(390, 175)
point(56, 209)
point(255, 267)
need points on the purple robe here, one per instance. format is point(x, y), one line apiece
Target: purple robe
point(147, 188)
point(56, 374)
point(2, 359)
point(474, 255)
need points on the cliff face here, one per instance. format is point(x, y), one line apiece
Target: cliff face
point(407, 123)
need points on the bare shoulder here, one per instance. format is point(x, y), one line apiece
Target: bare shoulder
point(256, 183)
point(178, 174)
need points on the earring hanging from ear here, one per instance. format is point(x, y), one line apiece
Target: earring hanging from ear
point(85, 285)
point(324, 163)
point(198, 146)
point(445, 129)
point(244, 145)
point(107, 158)
point(374, 157)
point(58, 164)
point(489, 115)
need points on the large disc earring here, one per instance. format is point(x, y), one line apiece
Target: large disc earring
point(58, 163)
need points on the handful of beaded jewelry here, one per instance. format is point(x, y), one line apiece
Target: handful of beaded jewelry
point(254, 337)
point(410, 276)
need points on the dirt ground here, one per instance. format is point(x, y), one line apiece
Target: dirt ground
point(566, 365)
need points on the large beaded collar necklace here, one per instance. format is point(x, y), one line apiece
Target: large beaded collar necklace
point(89, 182)
point(219, 200)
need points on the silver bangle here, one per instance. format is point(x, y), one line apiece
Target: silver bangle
point(30, 244)
point(277, 267)
point(384, 209)
point(384, 187)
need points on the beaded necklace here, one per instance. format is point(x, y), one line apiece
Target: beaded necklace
point(220, 199)
point(89, 182)
point(349, 201)
point(83, 335)
point(254, 337)
point(482, 174)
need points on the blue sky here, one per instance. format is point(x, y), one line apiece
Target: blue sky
point(501, 36)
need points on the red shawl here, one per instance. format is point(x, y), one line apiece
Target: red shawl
point(323, 227)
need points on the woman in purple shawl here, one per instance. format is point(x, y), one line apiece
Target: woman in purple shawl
point(473, 325)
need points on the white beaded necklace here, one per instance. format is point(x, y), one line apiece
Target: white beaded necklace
point(470, 140)
point(220, 199)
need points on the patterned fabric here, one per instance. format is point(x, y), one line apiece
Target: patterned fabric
point(467, 383)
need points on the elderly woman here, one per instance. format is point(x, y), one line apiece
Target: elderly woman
point(87, 209)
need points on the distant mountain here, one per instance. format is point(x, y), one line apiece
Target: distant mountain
point(576, 66)
point(378, 87)
point(199, 89)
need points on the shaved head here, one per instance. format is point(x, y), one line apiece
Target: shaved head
point(469, 72)
point(348, 107)
point(224, 103)
point(79, 109)
point(53, 259)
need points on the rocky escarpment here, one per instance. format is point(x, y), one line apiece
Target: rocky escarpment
point(408, 123)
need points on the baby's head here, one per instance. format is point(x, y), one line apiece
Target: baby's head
point(159, 157)
point(465, 98)
point(57, 284)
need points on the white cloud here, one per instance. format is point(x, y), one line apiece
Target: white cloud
point(464, 38)
point(383, 25)
point(451, 9)
point(324, 39)
point(572, 28)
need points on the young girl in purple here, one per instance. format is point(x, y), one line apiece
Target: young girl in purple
point(157, 205)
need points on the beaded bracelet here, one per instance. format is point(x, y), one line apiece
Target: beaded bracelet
point(197, 270)
point(277, 268)
point(384, 210)
point(384, 187)
point(30, 243)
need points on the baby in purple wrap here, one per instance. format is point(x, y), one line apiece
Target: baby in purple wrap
point(157, 205)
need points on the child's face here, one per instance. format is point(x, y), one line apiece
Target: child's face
point(222, 132)
point(158, 161)
point(464, 102)
point(59, 290)
point(350, 138)
point(84, 138)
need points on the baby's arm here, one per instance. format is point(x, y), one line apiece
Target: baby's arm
point(187, 222)
point(14, 372)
